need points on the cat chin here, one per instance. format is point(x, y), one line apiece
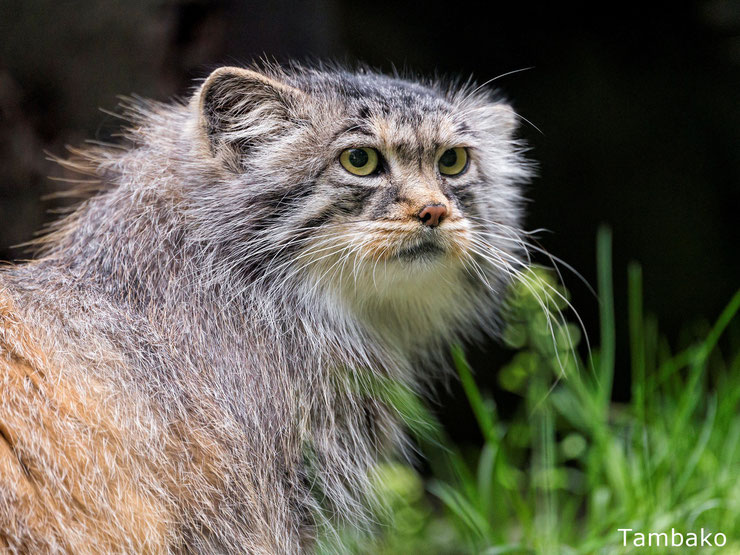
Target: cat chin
point(424, 252)
point(412, 303)
point(408, 283)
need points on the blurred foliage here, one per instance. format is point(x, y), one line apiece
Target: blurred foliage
point(571, 467)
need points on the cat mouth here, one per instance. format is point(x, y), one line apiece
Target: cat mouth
point(409, 244)
point(426, 249)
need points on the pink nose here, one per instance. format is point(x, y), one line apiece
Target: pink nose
point(433, 214)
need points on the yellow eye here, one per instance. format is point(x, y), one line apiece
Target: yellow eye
point(359, 161)
point(453, 161)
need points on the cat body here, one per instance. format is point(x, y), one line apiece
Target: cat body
point(188, 365)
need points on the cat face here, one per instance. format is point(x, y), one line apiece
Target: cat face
point(382, 187)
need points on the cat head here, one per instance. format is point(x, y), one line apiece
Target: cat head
point(396, 196)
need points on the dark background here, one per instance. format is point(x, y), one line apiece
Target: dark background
point(639, 108)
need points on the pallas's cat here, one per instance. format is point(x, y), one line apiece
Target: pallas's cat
point(188, 363)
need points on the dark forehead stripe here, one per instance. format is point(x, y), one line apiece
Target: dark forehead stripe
point(462, 128)
point(354, 126)
point(408, 152)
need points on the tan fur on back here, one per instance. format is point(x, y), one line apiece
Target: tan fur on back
point(66, 475)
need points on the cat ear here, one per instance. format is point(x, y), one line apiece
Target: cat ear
point(502, 117)
point(240, 108)
point(506, 116)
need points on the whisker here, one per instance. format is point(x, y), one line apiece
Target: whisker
point(470, 94)
point(531, 246)
point(529, 283)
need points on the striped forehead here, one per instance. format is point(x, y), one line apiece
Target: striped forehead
point(410, 136)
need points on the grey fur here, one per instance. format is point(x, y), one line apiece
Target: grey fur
point(232, 284)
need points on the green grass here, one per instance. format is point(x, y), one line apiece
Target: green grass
point(571, 467)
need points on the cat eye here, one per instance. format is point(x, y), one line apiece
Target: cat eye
point(453, 161)
point(359, 161)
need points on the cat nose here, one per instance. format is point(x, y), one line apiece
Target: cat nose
point(433, 214)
